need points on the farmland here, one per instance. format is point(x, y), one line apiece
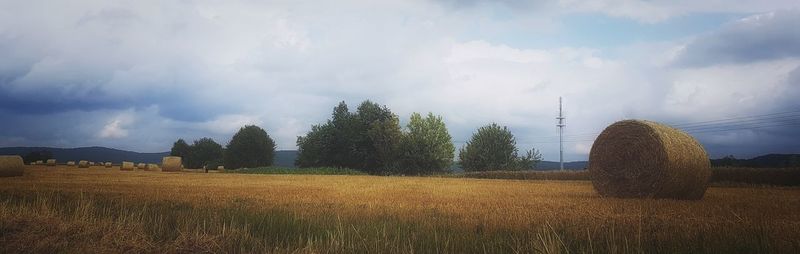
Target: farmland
point(61, 209)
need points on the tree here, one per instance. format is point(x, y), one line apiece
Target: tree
point(181, 149)
point(250, 147)
point(493, 147)
point(313, 149)
point(204, 152)
point(385, 137)
point(427, 147)
point(348, 139)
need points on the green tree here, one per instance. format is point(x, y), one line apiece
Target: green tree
point(385, 137)
point(204, 152)
point(250, 147)
point(313, 149)
point(427, 147)
point(370, 115)
point(181, 149)
point(493, 147)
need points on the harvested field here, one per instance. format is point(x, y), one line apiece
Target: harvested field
point(346, 213)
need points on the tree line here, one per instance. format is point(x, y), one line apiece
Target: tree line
point(369, 139)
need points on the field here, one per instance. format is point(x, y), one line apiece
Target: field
point(100, 210)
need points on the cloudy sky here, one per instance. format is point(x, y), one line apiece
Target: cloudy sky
point(137, 75)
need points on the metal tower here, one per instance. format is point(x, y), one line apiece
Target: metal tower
point(560, 126)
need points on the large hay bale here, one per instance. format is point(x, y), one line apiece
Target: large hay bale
point(107, 164)
point(153, 167)
point(126, 165)
point(83, 164)
point(637, 158)
point(171, 163)
point(141, 166)
point(70, 163)
point(51, 162)
point(11, 165)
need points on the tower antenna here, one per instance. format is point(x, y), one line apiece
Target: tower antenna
point(560, 126)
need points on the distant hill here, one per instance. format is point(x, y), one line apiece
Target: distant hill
point(553, 165)
point(95, 153)
point(764, 161)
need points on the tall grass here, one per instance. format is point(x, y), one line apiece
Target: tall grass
point(78, 222)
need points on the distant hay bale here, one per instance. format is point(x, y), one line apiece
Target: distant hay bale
point(141, 166)
point(83, 164)
point(33, 163)
point(91, 163)
point(39, 162)
point(171, 163)
point(11, 165)
point(107, 164)
point(220, 168)
point(51, 162)
point(637, 159)
point(153, 167)
point(127, 166)
point(70, 163)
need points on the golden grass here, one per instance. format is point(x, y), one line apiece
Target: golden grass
point(480, 205)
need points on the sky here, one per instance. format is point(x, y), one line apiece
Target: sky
point(137, 75)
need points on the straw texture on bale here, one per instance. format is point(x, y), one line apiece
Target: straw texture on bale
point(140, 166)
point(83, 164)
point(107, 164)
point(126, 165)
point(153, 167)
point(11, 165)
point(644, 159)
point(171, 163)
point(51, 162)
point(71, 163)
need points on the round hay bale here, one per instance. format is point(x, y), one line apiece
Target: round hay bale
point(83, 164)
point(127, 166)
point(153, 167)
point(70, 164)
point(11, 165)
point(220, 168)
point(39, 162)
point(91, 163)
point(644, 159)
point(107, 164)
point(141, 166)
point(171, 164)
point(51, 162)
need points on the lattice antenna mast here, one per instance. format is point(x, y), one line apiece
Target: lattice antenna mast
point(561, 124)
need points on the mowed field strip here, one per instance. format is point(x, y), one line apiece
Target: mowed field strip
point(227, 212)
point(492, 203)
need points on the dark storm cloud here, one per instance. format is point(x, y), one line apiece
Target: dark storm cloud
point(756, 38)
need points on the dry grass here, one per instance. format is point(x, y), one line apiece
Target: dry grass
point(112, 211)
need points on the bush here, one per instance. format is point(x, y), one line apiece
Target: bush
point(250, 147)
point(203, 152)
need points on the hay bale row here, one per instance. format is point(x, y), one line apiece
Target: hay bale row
point(107, 164)
point(70, 163)
point(91, 163)
point(51, 162)
point(171, 164)
point(127, 166)
point(83, 164)
point(644, 159)
point(152, 167)
point(141, 166)
point(11, 165)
